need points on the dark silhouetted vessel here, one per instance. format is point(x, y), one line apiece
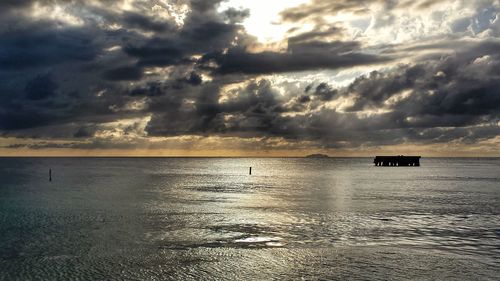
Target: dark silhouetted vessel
point(397, 161)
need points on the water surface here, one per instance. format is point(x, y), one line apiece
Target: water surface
point(207, 219)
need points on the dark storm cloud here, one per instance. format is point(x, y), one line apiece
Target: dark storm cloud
point(81, 67)
point(256, 105)
point(306, 51)
point(41, 87)
point(150, 89)
point(156, 53)
point(124, 73)
point(143, 22)
point(318, 8)
point(455, 91)
point(84, 132)
point(193, 79)
point(43, 44)
point(315, 36)
point(68, 81)
point(6, 5)
point(204, 31)
point(204, 6)
point(301, 57)
point(198, 38)
point(323, 91)
point(235, 15)
point(454, 98)
point(14, 120)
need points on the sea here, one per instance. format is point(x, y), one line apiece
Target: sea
point(208, 219)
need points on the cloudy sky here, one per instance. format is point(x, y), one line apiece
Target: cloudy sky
point(260, 78)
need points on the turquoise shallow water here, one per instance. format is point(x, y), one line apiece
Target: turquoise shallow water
point(207, 219)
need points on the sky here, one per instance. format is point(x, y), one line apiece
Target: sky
point(249, 78)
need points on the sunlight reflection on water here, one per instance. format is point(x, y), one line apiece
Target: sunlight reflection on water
point(208, 219)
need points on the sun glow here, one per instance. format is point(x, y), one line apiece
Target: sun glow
point(264, 16)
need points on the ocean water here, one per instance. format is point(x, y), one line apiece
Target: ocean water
point(207, 219)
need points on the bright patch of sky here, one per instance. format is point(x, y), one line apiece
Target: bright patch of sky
point(264, 15)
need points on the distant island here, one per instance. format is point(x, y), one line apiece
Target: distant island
point(317, 156)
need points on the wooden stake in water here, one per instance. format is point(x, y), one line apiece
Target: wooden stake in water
point(250, 171)
point(50, 174)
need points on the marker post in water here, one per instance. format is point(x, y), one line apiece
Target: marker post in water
point(50, 174)
point(250, 171)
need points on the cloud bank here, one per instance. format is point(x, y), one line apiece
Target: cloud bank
point(186, 75)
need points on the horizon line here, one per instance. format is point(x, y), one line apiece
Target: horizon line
point(189, 156)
